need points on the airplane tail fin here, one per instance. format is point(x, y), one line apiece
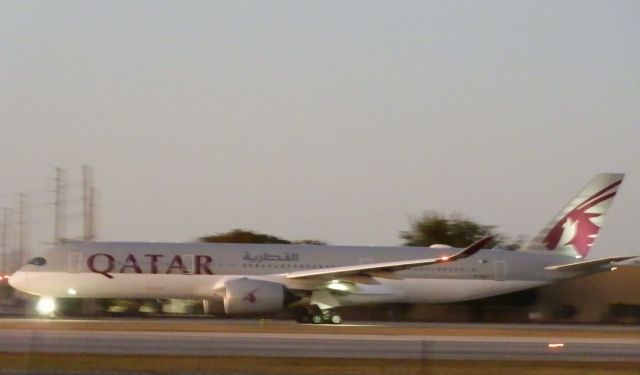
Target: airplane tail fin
point(574, 230)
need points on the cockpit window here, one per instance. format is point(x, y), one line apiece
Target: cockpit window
point(37, 261)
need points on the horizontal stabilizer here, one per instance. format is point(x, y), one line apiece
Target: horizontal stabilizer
point(386, 269)
point(588, 264)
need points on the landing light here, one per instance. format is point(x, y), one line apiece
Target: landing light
point(338, 286)
point(46, 305)
point(444, 258)
point(555, 345)
point(614, 268)
point(72, 292)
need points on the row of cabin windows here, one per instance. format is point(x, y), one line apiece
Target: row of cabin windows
point(41, 261)
point(315, 266)
point(289, 265)
point(445, 269)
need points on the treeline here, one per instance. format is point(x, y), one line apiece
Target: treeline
point(429, 229)
point(247, 236)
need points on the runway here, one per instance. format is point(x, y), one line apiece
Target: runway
point(255, 338)
point(206, 324)
point(320, 345)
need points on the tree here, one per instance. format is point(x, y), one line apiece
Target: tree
point(508, 243)
point(457, 231)
point(247, 236)
point(242, 236)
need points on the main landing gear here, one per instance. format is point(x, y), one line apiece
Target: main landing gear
point(314, 315)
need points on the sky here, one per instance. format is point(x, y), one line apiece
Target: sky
point(329, 120)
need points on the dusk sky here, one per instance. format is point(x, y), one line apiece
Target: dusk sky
point(326, 120)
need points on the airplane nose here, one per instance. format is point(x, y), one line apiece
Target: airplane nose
point(19, 280)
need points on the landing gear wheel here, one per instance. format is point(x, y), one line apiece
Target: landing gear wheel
point(317, 319)
point(336, 319)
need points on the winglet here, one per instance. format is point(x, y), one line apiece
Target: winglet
point(469, 251)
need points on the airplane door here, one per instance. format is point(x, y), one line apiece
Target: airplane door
point(75, 262)
point(499, 270)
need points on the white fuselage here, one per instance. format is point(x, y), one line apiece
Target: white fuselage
point(197, 271)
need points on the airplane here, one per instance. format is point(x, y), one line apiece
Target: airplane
point(256, 279)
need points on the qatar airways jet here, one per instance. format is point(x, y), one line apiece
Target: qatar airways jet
point(247, 279)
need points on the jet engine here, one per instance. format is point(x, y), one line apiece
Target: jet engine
point(248, 296)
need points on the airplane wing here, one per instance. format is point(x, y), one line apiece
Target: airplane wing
point(385, 269)
point(589, 264)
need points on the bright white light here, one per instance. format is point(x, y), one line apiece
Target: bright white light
point(46, 305)
point(578, 256)
point(72, 291)
point(556, 345)
point(444, 258)
point(338, 286)
point(614, 268)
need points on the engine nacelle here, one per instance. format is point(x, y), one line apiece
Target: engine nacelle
point(247, 296)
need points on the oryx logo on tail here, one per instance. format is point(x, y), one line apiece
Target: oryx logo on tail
point(574, 230)
point(579, 228)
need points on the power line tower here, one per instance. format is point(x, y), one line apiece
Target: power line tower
point(88, 204)
point(5, 240)
point(92, 207)
point(59, 204)
point(23, 228)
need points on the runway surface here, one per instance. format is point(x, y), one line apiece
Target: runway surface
point(213, 325)
point(181, 337)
